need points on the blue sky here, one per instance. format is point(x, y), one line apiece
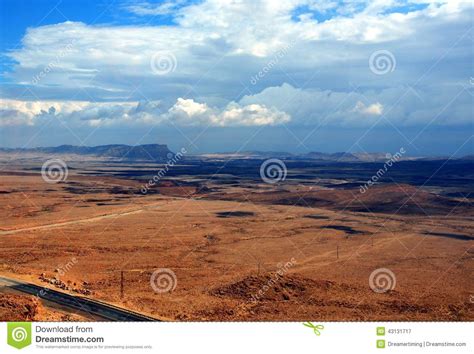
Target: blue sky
point(18, 15)
point(297, 75)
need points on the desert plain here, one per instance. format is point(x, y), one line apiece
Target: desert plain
point(305, 248)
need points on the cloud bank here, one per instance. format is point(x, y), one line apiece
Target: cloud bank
point(185, 112)
point(311, 59)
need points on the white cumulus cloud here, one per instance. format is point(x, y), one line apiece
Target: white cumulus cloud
point(185, 112)
point(374, 109)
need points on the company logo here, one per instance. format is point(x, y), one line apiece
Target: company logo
point(19, 334)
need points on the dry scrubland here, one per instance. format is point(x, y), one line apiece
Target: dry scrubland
point(86, 230)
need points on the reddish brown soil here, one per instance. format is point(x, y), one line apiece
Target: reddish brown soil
point(18, 307)
point(15, 307)
point(399, 199)
point(92, 228)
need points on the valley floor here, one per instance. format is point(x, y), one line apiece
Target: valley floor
point(234, 256)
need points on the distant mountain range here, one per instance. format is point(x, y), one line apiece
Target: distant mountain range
point(318, 156)
point(349, 157)
point(161, 153)
point(328, 157)
point(149, 152)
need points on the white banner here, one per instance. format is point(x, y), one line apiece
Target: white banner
point(237, 337)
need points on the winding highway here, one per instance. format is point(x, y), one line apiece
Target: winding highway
point(96, 308)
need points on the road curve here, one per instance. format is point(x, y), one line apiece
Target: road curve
point(96, 308)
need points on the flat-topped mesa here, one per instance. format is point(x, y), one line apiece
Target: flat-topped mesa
point(147, 152)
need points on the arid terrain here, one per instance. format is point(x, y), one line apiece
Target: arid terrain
point(241, 249)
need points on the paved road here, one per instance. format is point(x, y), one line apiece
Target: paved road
point(93, 307)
